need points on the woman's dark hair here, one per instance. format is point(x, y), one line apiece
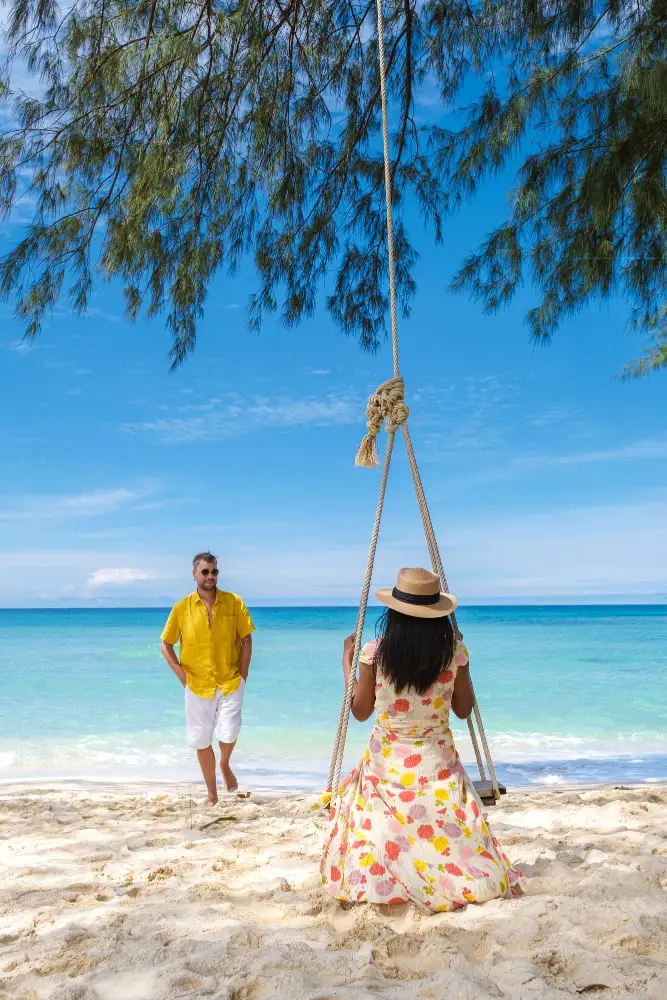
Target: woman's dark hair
point(412, 652)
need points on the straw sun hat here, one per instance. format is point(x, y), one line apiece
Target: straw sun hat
point(417, 593)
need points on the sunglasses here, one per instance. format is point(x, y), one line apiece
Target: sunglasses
point(205, 572)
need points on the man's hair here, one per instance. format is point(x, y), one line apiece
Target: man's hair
point(203, 557)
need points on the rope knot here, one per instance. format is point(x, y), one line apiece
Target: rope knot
point(386, 404)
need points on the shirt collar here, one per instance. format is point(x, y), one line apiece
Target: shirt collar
point(218, 596)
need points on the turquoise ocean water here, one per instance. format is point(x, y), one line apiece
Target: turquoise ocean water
point(567, 694)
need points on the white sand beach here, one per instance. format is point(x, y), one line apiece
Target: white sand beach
point(112, 892)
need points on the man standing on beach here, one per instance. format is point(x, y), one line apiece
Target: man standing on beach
point(214, 629)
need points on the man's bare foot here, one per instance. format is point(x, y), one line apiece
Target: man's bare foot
point(209, 802)
point(229, 779)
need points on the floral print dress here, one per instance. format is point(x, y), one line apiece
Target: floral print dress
point(407, 824)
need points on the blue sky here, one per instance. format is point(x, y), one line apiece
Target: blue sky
point(545, 473)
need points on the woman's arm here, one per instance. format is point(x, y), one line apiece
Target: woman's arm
point(463, 696)
point(363, 696)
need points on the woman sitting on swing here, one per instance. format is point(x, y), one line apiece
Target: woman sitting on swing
point(407, 824)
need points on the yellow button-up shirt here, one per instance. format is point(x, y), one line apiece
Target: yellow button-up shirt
point(210, 652)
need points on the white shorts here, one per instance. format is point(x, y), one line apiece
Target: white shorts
point(219, 717)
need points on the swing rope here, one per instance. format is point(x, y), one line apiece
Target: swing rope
point(387, 405)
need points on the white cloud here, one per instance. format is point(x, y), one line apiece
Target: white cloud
point(234, 414)
point(556, 415)
point(483, 397)
point(73, 559)
point(526, 464)
point(24, 346)
point(637, 451)
point(93, 312)
point(97, 500)
point(77, 576)
point(596, 550)
point(119, 576)
point(477, 414)
point(587, 552)
point(634, 451)
point(47, 559)
point(21, 346)
point(88, 504)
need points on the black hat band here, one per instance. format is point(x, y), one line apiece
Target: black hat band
point(415, 598)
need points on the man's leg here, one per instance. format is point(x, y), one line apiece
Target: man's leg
point(227, 728)
point(207, 763)
point(200, 716)
point(228, 776)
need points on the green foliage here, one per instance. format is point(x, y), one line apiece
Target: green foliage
point(588, 217)
point(175, 137)
point(656, 356)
